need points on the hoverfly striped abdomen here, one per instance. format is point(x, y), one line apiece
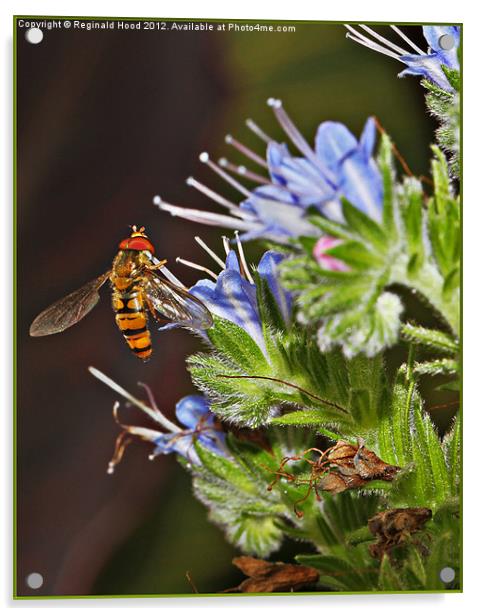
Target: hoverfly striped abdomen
point(131, 318)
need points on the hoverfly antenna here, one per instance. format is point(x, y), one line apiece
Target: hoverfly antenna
point(138, 232)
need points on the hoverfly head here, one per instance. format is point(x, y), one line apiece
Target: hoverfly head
point(138, 240)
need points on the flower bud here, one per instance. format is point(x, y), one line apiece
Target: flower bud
point(327, 261)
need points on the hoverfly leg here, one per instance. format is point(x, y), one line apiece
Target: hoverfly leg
point(156, 266)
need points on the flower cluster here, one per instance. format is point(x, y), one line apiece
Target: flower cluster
point(338, 166)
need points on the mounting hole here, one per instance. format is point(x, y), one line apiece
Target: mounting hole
point(34, 35)
point(446, 42)
point(447, 575)
point(35, 580)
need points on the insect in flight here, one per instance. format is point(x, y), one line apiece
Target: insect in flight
point(137, 290)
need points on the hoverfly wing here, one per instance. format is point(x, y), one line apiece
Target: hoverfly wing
point(69, 310)
point(175, 304)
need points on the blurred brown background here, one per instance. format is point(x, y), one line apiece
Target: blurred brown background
point(106, 120)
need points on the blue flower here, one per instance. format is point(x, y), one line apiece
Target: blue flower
point(425, 64)
point(199, 424)
point(193, 413)
point(232, 295)
point(429, 65)
point(339, 166)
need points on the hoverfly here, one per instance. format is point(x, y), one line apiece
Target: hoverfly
point(137, 289)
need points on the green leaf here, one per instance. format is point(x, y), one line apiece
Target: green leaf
point(385, 162)
point(389, 578)
point(313, 418)
point(337, 573)
point(308, 243)
point(452, 450)
point(356, 255)
point(224, 468)
point(236, 344)
point(270, 313)
point(437, 366)
point(394, 429)
point(416, 566)
point(431, 338)
point(411, 209)
point(364, 226)
point(329, 227)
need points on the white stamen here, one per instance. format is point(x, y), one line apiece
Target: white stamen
point(257, 131)
point(226, 245)
point(217, 198)
point(210, 252)
point(274, 102)
point(246, 151)
point(243, 171)
point(366, 42)
point(297, 138)
point(382, 39)
point(195, 266)
point(211, 218)
point(244, 265)
point(156, 415)
point(168, 274)
point(407, 40)
point(204, 158)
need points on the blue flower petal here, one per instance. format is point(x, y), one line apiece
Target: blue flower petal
point(333, 142)
point(303, 182)
point(236, 301)
point(205, 290)
point(190, 410)
point(367, 138)
point(282, 219)
point(361, 185)
point(275, 154)
point(215, 440)
point(433, 34)
point(232, 298)
point(181, 444)
point(232, 262)
point(276, 192)
point(268, 270)
point(427, 66)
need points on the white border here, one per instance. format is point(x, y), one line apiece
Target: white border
point(352, 10)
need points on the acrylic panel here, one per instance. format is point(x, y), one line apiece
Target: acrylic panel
point(237, 274)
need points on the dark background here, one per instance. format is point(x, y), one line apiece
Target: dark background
point(106, 120)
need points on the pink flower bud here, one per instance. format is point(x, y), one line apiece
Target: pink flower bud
point(327, 261)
